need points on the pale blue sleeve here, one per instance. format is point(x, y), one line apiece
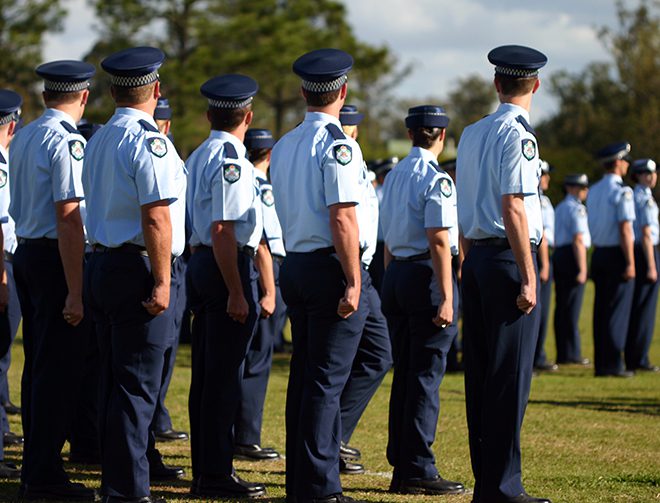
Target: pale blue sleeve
point(66, 163)
point(519, 174)
point(342, 169)
point(580, 221)
point(440, 205)
point(231, 197)
point(625, 208)
point(155, 167)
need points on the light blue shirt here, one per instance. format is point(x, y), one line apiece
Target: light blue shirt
point(646, 211)
point(46, 163)
point(129, 164)
point(272, 227)
point(571, 219)
point(497, 156)
point(548, 217)
point(368, 213)
point(609, 203)
point(315, 171)
point(7, 222)
point(223, 188)
point(417, 195)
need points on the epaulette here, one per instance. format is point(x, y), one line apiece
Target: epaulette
point(619, 183)
point(435, 165)
point(148, 126)
point(335, 132)
point(230, 150)
point(69, 127)
point(261, 181)
point(2, 159)
point(526, 124)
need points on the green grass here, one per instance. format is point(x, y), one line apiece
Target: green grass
point(585, 440)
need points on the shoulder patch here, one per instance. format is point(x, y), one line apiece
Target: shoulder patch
point(77, 149)
point(582, 211)
point(230, 151)
point(627, 193)
point(3, 178)
point(526, 124)
point(148, 126)
point(528, 149)
point(335, 132)
point(2, 159)
point(231, 173)
point(343, 154)
point(445, 187)
point(157, 146)
point(267, 197)
point(69, 127)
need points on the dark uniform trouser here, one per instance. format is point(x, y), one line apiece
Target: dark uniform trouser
point(612, 305)
point(219, 346)
point(568, 303)
point(498, 344)
point(5, 343)
point(52, 362)
point(132, 347)
point(371, 363)
point(540, 357)
point(642, 316)
point(14, 317)
point(410, 302)
point(324, 347)
point(247, 430)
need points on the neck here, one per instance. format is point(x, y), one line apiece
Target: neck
point(4, 140)
point(262, 166)
point(148, 107)
point(524, 101)
point(73, 110)
point(332, 109)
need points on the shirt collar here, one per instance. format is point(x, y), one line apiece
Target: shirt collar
point(514, 109)
point(614, 177)
point(322, 117)
point(139, 114)
point(643, 188)
point(260, 174)
point(426, 155)
point(224, 136)
point(62, 116)
point(571, 197)
point(4, 153)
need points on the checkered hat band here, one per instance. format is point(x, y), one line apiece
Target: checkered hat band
point(515, 72)
point(65, 87)
point(139, 81)
point(230, 104)
point(8, 118)
point(433, 114)
point(260, 137)
point(324, 87)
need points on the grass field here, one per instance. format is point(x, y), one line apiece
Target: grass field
point(585, 440)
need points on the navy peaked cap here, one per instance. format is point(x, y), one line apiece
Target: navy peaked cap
point(88, 129)
point(10, 104)
point(578, 180)
point(134, 67)
point(644, 166)
point(258, 138)
point(66, 76)
point(517, 60)
point(163, 110)
point(323, 70)
point(229, 91)
point(384, 166)
point(427, 116)
point(349, 115)
point(614, 152)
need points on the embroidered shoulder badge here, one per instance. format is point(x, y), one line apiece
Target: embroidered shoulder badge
point(582, 211)
point(528, 149)
point(267, 197)
point(3, 178)
point(157, 146)
point(231, 173)
point(627, 193)
point(343, 154)
point(77, 149)
point(445, 187)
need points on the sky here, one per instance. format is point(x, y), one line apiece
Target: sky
point(443, 40)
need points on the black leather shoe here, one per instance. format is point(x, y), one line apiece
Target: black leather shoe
point(230, 486)
point(170, 435)
point(547, 367)
point(348, 468)
point(336, 498)
point(144, 499)
point(9, 471)
point(524, 498)
point(349, 453)
point(255, 453)
point(71, 491)
point(621, 373)
point(436, 485)
point(11, 409)
point(11, 438)
point(648, 368)
point(163, 472)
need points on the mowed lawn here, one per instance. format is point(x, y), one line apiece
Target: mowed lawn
point(585, 440)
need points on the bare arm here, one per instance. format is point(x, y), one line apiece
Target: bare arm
point(4, 293)
point(387, 256)
point(225, 251)
point(627, 240)
point(544, 261)
point(345, 237)
point(441, 258)
point(647, 246)
point(580, 252)
point(157, 231)
point(515, 225)
point(71, 244)
point(264, 264)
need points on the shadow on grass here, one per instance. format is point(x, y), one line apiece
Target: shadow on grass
point(644, 406)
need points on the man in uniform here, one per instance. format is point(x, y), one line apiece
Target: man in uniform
point(229, 252)
point(499, 212)
point(135, 185)
point(46, 191)
point(611, 211)
point(319, 169)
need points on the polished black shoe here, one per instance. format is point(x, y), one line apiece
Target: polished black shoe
point(621, 373)
point(144, 499)
point(9, 471)
point(170, 435)
point(163, 472)
point(255, 453)
point(71, 491)
point(11, 409)
point(648, 368)
point(348, 468)
point(336, 498)
point(230, 486)
point(547, 367)
point(349, 453)
point(11, 438)
point(436, 485)
point(524, 498)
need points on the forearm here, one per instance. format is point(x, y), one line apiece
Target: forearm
point(627, 240)
point(648, 248)
point(387, 257)
point(441, 260)
point(157, 231)
point(515, 225)
point(345, 237)
point(71, 245)
point(544, 256)
point(580, 253)
point(3, 272)
point(264, 264)
point(225, 251)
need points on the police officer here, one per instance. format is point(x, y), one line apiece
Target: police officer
point(572, 240)
point(421, 235)
point(499, 212)
point(645, 297)
point(46, 161)
point(611, 211)
point(321, 277)
point(381, 168)
point(247, 430)
point(227, 230)
point(10, 103)
point(374, 354)
point(135, 186)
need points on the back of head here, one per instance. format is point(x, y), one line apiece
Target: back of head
point(425, 124)
point(134, 74)
point(258, 143)
point(230, 100)
point(65, 81)
point(516, 69)
point(323, 73)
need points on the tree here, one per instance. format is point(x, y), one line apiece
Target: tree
point(470, 99)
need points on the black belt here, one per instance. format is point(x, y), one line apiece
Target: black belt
point(500, 243)
point(125, 248)
point(50, 243)
point(330, 250)
point(9, 256)
point(246, 250)
point(414, 258)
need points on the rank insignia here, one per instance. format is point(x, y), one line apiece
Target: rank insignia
point(343, 154)
point(77, 149)
point(157, 146)
point(3, 178)
point(232, 173)
point(267, 197)
point(529, 149)
point(445, 187)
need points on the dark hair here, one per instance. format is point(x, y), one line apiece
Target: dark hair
point(258, 154)
point(133, 95)
point(516, 86)
point(60, 98)
point(227, 119)
point(321, 99)
point(425, 136)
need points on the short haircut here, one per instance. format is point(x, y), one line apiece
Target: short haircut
point(227, 119)
point(61, 98)
point(258, 154)
point(321, 99)
point(516, 86)
point(610, 165)
point(133, 95)
point(425, 136)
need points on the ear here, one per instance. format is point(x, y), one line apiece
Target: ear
point(343, 92)
point(410, 135)
point(537, 84)
point(84, 97)
point(113, 92)
point(303, 93)
point(268, 155)
point(248, 117)
point(157, 90)
point(11, 129)
point(496, 82)
point(443, 134)
point(208, 115)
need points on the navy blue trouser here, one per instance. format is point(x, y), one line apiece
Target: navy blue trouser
point(540, 357)
point(5, 344)
point(568, 304)
point(219, 346)
point(642, 316)
point(498, 347)
point(247, 430)
point(324, 348)
point(612, 305)
point(132, 346)
point(14, 317)
point(52, 362)
point(371, 363)
point(410, 302)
